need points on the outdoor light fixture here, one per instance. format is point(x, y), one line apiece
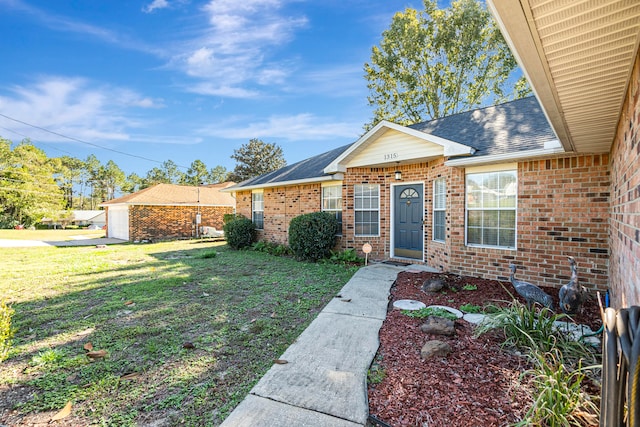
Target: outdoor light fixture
point(398, 175)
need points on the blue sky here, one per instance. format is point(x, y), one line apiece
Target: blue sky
point(187, 79)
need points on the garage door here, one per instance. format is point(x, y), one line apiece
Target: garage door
point(118, 225)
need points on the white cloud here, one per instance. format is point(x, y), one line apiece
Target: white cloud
point(74, 107)
point(299, 127)
point(156, 4)
point(233, 55)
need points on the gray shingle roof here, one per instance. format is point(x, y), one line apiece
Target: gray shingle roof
point(511, 127)
point(514, 126)
point(312, 167)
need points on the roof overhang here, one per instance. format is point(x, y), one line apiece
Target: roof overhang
point(450, 148)
point(578, 56)
point(551, 149)
point(321, 179)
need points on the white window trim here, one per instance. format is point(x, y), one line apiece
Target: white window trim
point(253, 210)
point(368, 210)
point(510, 167)
point(443, 209)
point(322, 198)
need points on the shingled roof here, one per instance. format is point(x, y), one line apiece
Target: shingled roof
point(172, 195)
point(518, 125)
point(513, 127)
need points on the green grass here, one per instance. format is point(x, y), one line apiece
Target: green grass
point(141, 303)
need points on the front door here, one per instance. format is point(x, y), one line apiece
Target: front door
point(408, 211)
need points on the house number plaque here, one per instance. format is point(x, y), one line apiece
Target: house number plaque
point(391, 156)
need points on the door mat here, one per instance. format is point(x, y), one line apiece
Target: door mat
point(397, 263)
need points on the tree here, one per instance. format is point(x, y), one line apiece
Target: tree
point(196, 174)
point(436, 62)
point(218, 174)
point(256, 158)
point(28, 190)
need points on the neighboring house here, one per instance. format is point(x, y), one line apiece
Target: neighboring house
point(167, 211)
point(81, 218)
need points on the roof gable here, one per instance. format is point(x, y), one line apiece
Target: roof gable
point(388, 144)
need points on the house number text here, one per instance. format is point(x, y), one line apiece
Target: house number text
point(391, 156)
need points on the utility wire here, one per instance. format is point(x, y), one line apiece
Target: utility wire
point(85, 142)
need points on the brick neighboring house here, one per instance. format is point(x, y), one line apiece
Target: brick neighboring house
point(467, 194)
point(167, 211)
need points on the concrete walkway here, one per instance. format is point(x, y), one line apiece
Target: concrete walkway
point(80, 241)
point(324, 382)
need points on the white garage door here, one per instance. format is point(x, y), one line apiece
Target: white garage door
point(118, 225)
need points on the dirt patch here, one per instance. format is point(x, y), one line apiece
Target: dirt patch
point(476, 385)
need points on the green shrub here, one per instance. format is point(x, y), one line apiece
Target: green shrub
point(6, 331)
point(230, 217)
point(271, 248)
point(239, 232)
point(312, 235)
point(348, 256)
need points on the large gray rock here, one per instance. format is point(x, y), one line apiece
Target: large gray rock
point(438, 326)
point(433, 285)
point(435, 348)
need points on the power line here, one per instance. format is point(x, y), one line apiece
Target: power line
point(85, 142)
point(39, 142)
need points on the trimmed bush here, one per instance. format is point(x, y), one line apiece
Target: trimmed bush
point(230, 217)
point(239, 232)
point(313, 235)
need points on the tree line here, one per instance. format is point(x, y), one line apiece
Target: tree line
point(34, 186)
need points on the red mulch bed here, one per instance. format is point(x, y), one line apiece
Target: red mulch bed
point(476, 385)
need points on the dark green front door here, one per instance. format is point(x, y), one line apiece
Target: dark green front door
point(408, 211)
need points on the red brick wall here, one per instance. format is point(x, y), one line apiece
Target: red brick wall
point(624, 268)
point(171, 222)
point(281, 205)
point(563, 206)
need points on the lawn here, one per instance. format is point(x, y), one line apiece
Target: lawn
point(188, 328)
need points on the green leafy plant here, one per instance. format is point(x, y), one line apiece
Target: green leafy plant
point(471, 308)
point(274, 249)
point(6, 331)
point(208, 254)
point(469, 287)
point(240, 232)
point(312, 235)
point(348, 256)
point(557, 393)
point(429, 311)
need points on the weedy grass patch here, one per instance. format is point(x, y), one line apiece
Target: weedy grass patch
point(133, 333)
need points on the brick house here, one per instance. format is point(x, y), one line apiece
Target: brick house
point(168, 211)
point(529, 181)
point(469, 194)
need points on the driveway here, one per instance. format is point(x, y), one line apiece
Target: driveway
point(77, 241)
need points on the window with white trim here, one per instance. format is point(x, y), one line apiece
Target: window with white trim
point(439, 209)
point(367, 209)
point(257, 209)
point(332, 202)
point(491, 209)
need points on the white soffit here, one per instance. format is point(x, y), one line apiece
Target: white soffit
point(578, 56)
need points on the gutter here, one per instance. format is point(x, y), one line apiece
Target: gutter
point(334, 177)
point(552, 148)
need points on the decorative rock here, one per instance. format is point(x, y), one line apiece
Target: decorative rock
point(438, 326)
point(451, 310)
point(475, 318)
point(435, 348)
point(408, 304)
point(432, 285)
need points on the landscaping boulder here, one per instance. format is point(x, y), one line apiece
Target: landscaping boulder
point(435, 348)
point(432, 285)
point(438, 326)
